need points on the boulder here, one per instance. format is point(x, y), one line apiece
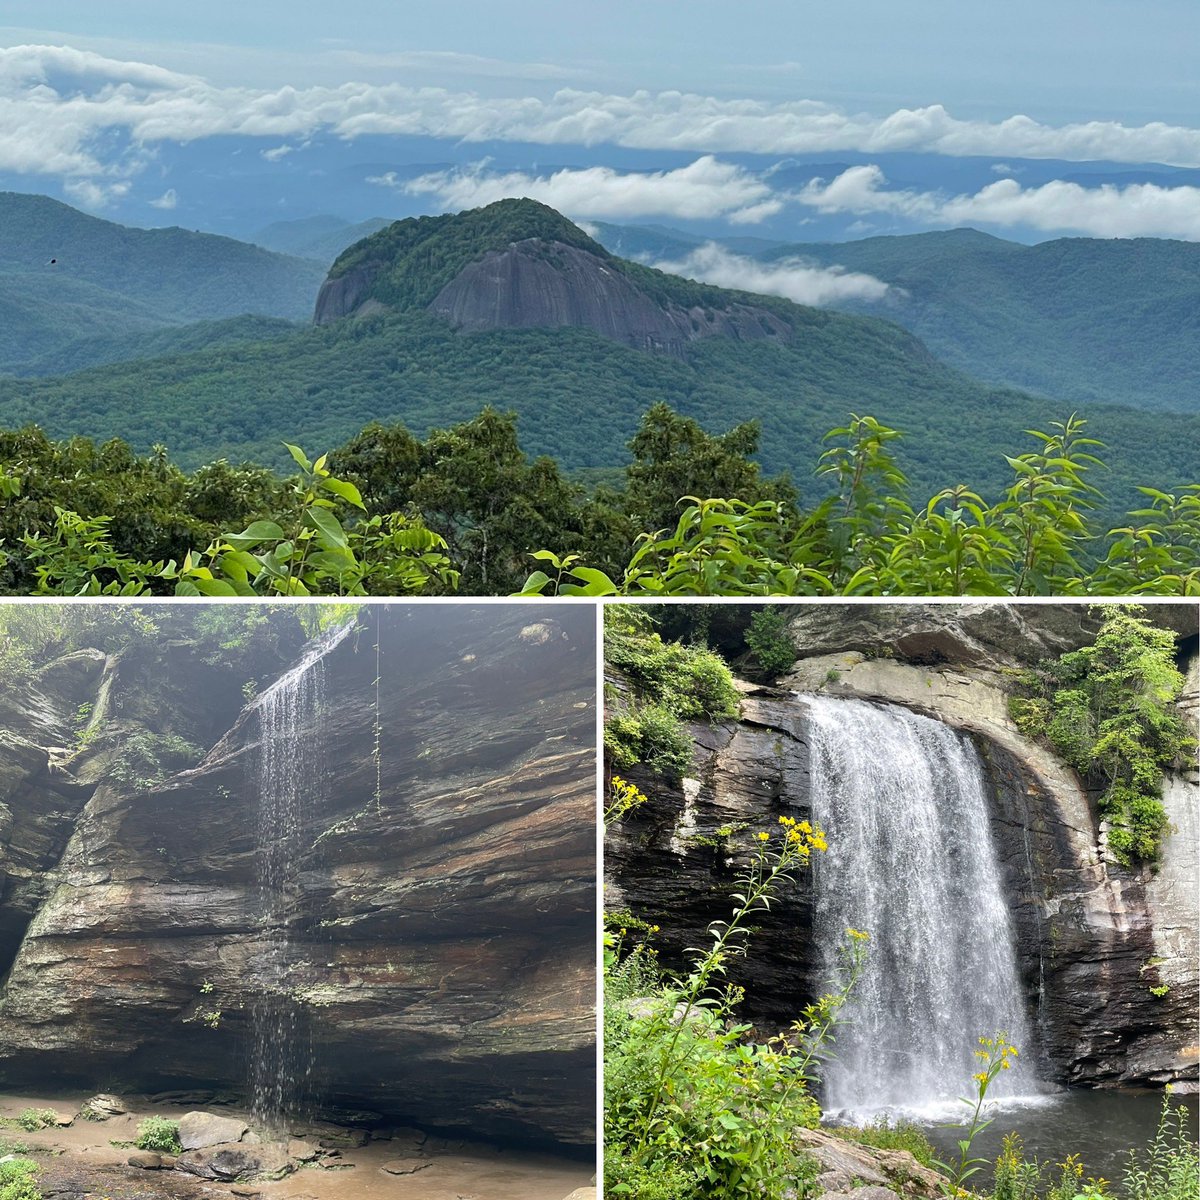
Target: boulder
point(200, 1129)
point(102, 1107)
point(236, 1161)
point(146, 1159)
point(405, 1166)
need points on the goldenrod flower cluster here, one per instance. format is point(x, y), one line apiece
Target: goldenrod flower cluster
point(995, 1050)
point(802, 837)
point(624, 797)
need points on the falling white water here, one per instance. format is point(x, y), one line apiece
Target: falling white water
point(903, 801)
point(290, 783)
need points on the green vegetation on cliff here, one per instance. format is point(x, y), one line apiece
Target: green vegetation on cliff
point(1109, 710)
point(671, 683)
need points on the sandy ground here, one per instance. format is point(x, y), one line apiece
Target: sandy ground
point(80, 1163)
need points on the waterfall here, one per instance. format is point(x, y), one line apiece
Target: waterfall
point(291, 782)
point(910, 860)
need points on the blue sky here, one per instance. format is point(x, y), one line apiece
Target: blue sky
point(782, 119)
point(1057, 60)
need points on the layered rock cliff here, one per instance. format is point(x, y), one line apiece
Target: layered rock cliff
point(1093, 939)
point(440, 923)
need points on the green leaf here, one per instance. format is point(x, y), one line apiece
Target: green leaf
point(329, 529)
point(253, 535)
point(347, 491)
point(299, 456)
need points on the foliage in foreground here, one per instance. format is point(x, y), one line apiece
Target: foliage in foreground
point(1167, 1169)
point(694, 1107)
point(18, 1180)
point(867, 540)
point(389, 514)
point(1109, 710)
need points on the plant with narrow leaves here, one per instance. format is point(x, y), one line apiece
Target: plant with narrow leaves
point(997, 1054)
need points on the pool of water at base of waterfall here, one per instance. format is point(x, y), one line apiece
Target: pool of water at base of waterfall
point(1100, 1126)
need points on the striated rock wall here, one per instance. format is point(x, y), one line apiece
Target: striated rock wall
point(542, 284)
point(443, 924)
point(1092, 939)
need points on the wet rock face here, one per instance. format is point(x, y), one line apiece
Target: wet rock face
point(1093, 940)
point(441, 923)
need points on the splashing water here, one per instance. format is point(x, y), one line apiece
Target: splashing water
point(290, 784)
point(903, 801)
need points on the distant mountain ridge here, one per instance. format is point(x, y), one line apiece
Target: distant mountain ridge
point(1087, 320)
point(66, 277)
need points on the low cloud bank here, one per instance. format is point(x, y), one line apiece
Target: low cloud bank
point(791, 278)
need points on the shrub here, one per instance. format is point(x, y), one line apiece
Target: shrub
point(1169, 1168)
point(769, 641)
point(693, 1107)
point(18, 1180)
point(1108, 709)
point(674, 683)
point(652, 735)
point(159, 1133)
point(33, 1119)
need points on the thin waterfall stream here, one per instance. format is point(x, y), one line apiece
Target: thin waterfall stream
point(291, 782)
point(903, 801)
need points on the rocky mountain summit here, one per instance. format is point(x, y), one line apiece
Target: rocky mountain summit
point(517, 264)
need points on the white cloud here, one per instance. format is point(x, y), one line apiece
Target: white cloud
point(168, 200)
point(1135, 210)
point(277, 152)
point(791, 278)
point(57, 103)
point(704, 189)
point(90, 194)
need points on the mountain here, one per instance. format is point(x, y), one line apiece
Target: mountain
point(1086, 320)
point(320, 238)
point(67, 276)
point(517, 276)
point(517, 264)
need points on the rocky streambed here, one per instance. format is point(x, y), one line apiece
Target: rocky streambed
point(88, 1152)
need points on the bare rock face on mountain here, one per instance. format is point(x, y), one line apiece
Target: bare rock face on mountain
point(438, 912)
point(1108, 957)
point(517, 264)
point(538, 284)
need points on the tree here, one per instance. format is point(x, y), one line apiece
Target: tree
point(674, 457)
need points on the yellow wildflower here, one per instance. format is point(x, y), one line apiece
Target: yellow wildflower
point(764, 837)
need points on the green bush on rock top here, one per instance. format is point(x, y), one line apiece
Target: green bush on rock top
point(672, 683)
point(1108, 709)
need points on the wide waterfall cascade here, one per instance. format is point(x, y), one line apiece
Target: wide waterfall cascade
point(903, 801)
point(291, 781)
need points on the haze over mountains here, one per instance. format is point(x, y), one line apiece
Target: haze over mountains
point(66, 276)
point(420, 324)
